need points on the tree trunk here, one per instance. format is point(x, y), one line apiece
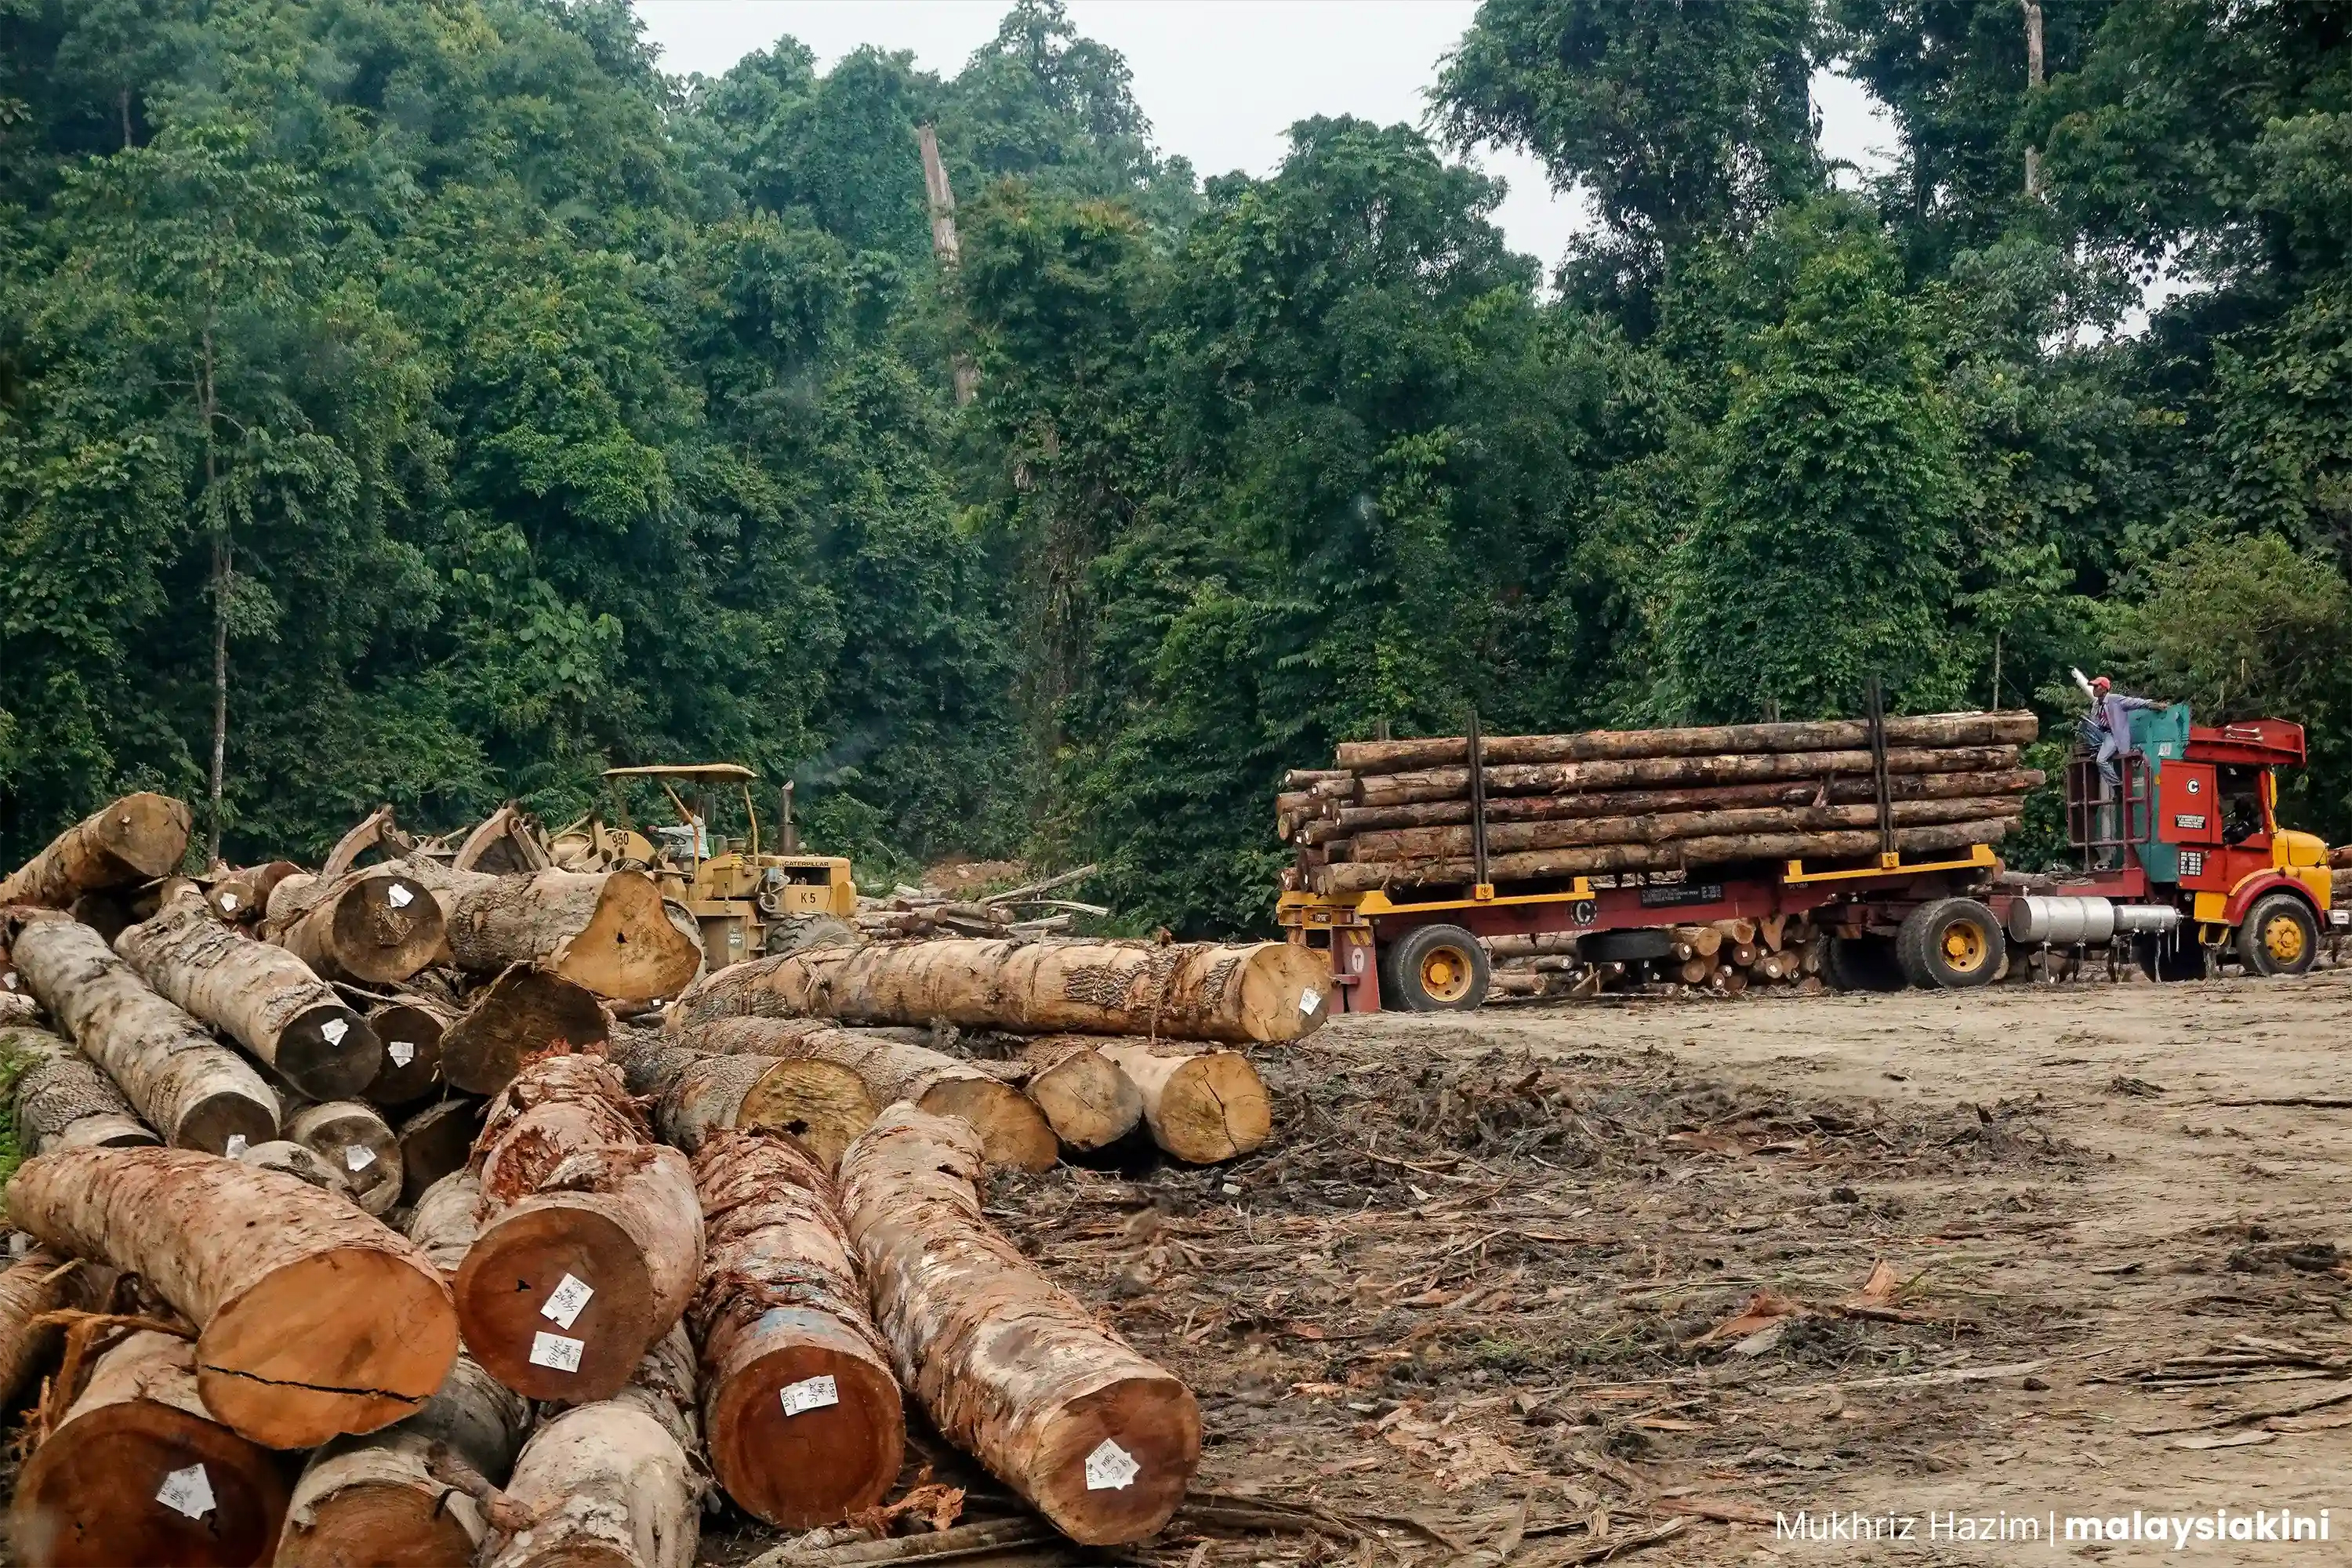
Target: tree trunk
point(523, 1011)
point(1695, 971)
point(191, 1089)
point(316, 1319)
point(1839, 791)
point(1673, 856)
point(299, 1161)
point(1261, 991)
point(261, 994)
point(384, 1499)
point(139, 1472)
point(377, 926)
point(602, 930)
point(822, 1103)
point(801, 1410)
point(1704, 940)
point(411, 1029)
point(1503, 838)
point(592, 1237)
point(2016, 727)
point(42, 1281)
point(1087, 1099)
point(242, 896)
point(436, 1140)
point(1649, 773)
point(136, 839)
point(63, 1101)
point(1010, 1367)
point(355, 1142)
point(445, 1221)
point(1202, 1106)
point(612, 1484)
point(1012, 1128)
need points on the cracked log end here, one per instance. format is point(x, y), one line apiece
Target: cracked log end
point(1200, 1108)
point(1013, 1133)
point(628, 950)
point(822, 1104)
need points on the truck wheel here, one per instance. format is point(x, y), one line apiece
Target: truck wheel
point(1625, 946)
point(2279, 937)
point(1436, 969)
point(2170, 958)
point(1951, 944)
point(1862, 963)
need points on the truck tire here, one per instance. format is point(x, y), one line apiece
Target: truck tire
point(1862, 963)
point(2170, 958)
point(1434, 969)
point(1625, 946)
point(1951, 944)
point(2280, 936)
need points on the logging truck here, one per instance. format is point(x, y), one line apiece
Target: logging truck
point(2182, 867)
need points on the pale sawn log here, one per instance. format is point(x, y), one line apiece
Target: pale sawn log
point(356, 1141)
point(194, 1090)
point(1086, 1098)
point(1010, 1367)
point(299, 1161)
point(602, 930)
point(314, 1319)
point(801, 1411)
point(528, 1009)
point(1257, 991)
point(1203, 1106)
point(591, 1242)
point(1649, 773)
point(2016, 727)
point(140, 1472)
point(63, 1101)
point(135, 839)
point(257, 993)
point(376, 926)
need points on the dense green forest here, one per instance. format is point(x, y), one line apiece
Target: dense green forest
point(483, 407)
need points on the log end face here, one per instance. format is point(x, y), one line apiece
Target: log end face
point(823, 1105)
point(88, 1498)
point(1215, 1107)
point(385, 1524)
point(1286, 991)
point(514, 1322)
point(1013, 1133)
point(386, 927)
point(629, 951)
point(795, 1463)
point(1088, 1099)
point(1112, 1466)
point(232, 1112)
point(330, 1053)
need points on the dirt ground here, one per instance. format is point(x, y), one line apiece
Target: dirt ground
point(1559, 1284)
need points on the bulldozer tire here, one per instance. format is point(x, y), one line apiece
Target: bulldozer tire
point(2280, 936)
point(811, 930)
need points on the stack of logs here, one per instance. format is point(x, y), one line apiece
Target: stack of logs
point(1398, 814)
point(1776, 955)
point(517, 1326)
point(1026, 910)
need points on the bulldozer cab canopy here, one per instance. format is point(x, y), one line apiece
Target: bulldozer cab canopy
point(714, 773)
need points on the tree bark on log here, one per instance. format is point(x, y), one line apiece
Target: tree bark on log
point(259, 994)
point(1202, 1106)
point(1839, 791)
point(194, 1090)
point(315, 1319)
point(444, 1222)
point(355, 1143)
point(299, 1161)
point(1010, 1367)
point(612, 1484)
point(139, 1472)
point(136, 839)
point(592, 1237)
point(1649, 773)
point(411, 1030)
point(241, 897)
point(801, 1411)
point(39, 1282)
point(1503, 838)
point(1013, 1131)
point(383, 1500)
point(602, 930)
point(2016, 727)
point(63, 1101)
point(436, 1140)
point(1674, 856)
point(1087, 1099)
point(1261, 991)
point(377, 926)
point(525, 1010)
point(823, 1103)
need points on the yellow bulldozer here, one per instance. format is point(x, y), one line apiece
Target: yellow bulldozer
point(750, 900)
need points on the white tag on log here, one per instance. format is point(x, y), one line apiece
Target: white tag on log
point(401, 1052)
point(399, 897)
point(333, 1030)
point(9, 980)
point(237, 1145)
point(811, 1393)
point(1111, 1467)
point(1309, 999)
point(188, 1492)
point(563, 1304)
point(556, 1353)
point(358, 1157)
point(228, 902)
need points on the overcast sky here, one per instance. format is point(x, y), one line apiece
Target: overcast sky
point(1219, 80)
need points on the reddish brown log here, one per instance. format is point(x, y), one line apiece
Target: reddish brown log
point(436, 1140)
point(376, 926)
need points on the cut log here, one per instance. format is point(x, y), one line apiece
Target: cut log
point(259, 994)
point(63, 1101)
point(602, 930)
point(39, 1282)
point(1202, 1106)
point(377, 926)
point(1738, 932)
point(1651, 773)
point(823, 1103)
point(2012, 727)
point(1444, 842)
point(525, 1010)
point(411, 1030)
point(447, 1219)
point(355, 1142)
point(1013, 1131)
point(436, 1140)
point(315, 1319)
point(139, 1472)
point(1847, 790)
point(387, 1497)
point(242, 896)
point(136, 839)
point(1010, 1367)
point(191, 1089)
point(1705, 941)
point(1540, 942)
point(592, 1237)
point(1259, 990)
point(1741, 954)
point(1087, 1099)
point(801, 1410)
point(612, 1484)
point(299, 1161)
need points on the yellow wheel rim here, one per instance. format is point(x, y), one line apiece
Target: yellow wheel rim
point(1964, 947)
point(1445, 973)
point(2283, 939)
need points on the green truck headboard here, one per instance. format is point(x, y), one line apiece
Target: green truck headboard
point(2161, 735)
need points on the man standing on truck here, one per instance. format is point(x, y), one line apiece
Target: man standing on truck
point(2110, 712)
